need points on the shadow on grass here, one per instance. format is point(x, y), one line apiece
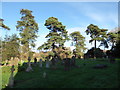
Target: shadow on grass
point(84, 77)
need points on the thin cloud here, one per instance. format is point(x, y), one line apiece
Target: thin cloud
point(98, 12)
point(102, 18)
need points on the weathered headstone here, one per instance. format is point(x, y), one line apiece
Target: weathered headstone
point(47, 63)
point(11, 79)
point(29, 68)
point(44, 75)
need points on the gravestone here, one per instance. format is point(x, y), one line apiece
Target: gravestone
point(63, 62)
point(11, 79)
point(35, 61)
point(29, 59)
point(67, 64)
point(44, 75)
point(53, 61)
point(73, 61)
point(40, 63)
point(29, 68)
point(47, 64)
point(112, 59)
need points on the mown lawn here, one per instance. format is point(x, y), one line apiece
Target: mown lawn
point(84, 77)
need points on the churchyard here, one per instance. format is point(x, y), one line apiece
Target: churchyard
point(46, 46)
point(84, 76)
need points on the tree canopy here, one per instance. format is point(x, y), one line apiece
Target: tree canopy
point(28, 28)
point(96, 34)
point(57, 35)
point(10, 47)
point(78, 42)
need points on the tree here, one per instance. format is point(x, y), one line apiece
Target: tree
point(96, 34)
point(99, 53)
point(3, 25)
point(57, 35)
point(115, 40)
point(112, 38)
point(28, 29)
point(10, 47)
point(104, 43)
point(79, 43)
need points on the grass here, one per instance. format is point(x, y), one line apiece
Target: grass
point(83, 77)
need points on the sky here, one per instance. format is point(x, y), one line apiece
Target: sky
point(76, 16)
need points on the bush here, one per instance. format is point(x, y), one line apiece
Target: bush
point(98, 52)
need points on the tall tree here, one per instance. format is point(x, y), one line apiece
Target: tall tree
point(96, 34)
point(79, 43)
point(28, 29)
point(57, 35)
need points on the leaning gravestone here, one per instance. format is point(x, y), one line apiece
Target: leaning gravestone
point(11, 79)
point(29, 68)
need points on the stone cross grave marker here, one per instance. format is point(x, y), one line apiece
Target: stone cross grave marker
point(11, 79)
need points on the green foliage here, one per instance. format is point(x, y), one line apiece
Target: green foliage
point(3, 25)
point(98, 51)
point(113, 38)
point(58, 34)
point(116, 49)
point(79, 43)
point(51, 53)
point(96, 33)
point(10, 47)
point(28, 28)
point(64, 52)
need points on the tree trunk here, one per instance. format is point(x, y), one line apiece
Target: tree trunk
point(95, 50)
point(112, 46)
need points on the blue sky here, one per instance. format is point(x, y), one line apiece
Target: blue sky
point(76, 16)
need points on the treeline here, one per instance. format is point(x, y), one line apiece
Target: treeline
point(21, 47)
